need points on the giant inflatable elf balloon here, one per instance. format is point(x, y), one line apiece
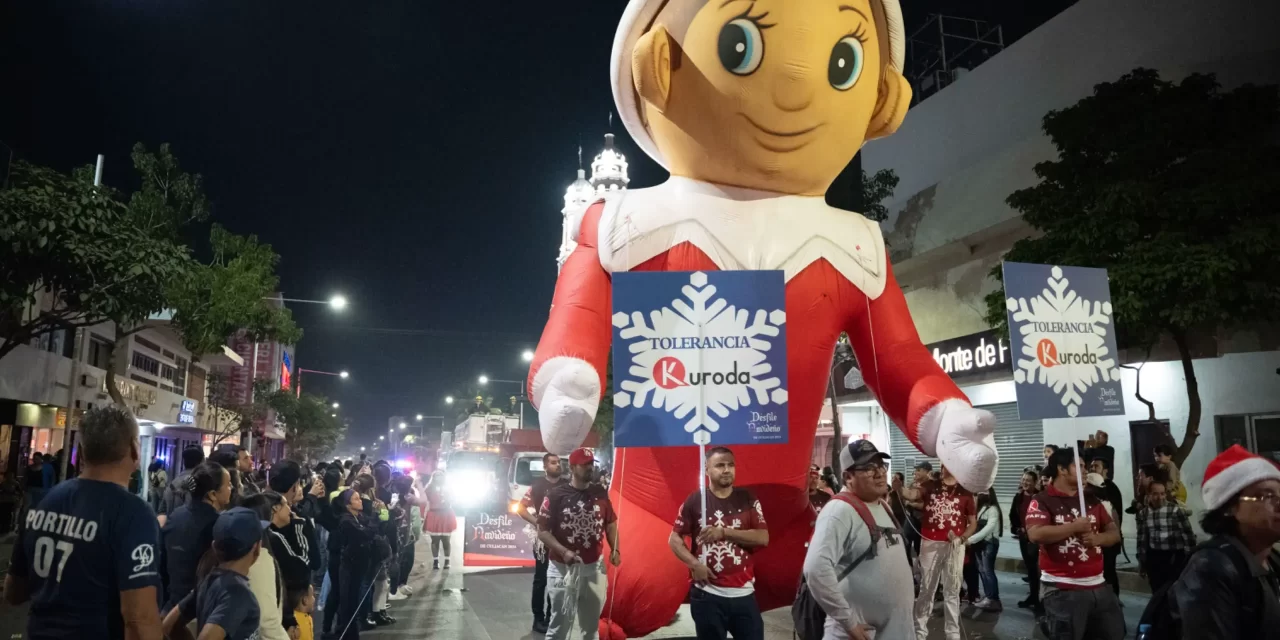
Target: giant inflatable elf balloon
point(754, 106)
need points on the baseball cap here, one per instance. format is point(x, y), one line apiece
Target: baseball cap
point(284, 475)
point(236, 531)
point(924, 465)
point(581, 455)
point(860, 452)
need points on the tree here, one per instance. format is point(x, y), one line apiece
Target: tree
point(603, 425)
point(231, 293)
point(311, 430)
point(226, 416)
point(1171, 187)
point(875, 190)
point(78, 250)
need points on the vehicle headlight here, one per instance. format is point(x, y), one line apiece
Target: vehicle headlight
point(469, 487)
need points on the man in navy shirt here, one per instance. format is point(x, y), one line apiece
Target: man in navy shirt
point(223, 606)
point(87, 554)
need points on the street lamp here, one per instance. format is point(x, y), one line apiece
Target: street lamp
point(382, 437)
point(527, 356)
point(448, 399)
point(339, 374)
point(484, 379)
point(333, 415)
point(417, 417)
point(336, 405)
point(337, 302)
point(362, 448)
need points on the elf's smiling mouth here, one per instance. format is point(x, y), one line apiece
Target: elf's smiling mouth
point(781, 141)
point(780, 134)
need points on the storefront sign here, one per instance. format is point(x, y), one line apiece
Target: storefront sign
point(61, 419)
point(187, 412)
point(497, 539)
point(1060, 324)
point(140, 394)
point(972, 354)
point(699, 358)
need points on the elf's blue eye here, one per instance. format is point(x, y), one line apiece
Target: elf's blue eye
point(741, 46)
point(846, 63)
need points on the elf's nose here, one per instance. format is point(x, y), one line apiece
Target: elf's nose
point(792, 90)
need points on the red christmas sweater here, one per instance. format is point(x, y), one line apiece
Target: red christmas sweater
point(732, 563)
point(577, 518)
point(1068, 564)
point(947, 509)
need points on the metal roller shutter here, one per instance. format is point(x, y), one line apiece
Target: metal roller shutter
point(1020, 444)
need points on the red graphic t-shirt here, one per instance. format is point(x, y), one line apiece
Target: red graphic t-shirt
point(947, 509)
point(577, 519)
point(532, 500)
point(1068, 564)
point(732, 564)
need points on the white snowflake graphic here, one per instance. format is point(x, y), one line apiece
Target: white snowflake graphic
point(1058, 304)
point(944, 512)
point(584, 524)
point(700, 315)
point(720, 552)
point(1074, 545)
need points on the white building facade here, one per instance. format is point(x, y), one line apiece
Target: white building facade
point(608, 174)
point(46, 386)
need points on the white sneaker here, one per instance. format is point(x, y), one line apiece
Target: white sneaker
point(399, 595)
point(407, 590)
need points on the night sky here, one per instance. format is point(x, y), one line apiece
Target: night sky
point(411, 155)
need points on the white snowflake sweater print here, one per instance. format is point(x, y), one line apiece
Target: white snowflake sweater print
point(578, 519)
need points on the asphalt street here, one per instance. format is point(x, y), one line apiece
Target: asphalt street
point(467, 603)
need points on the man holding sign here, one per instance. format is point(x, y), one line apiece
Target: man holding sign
point(723, 599)
point(574, 519)
point(1077, 602)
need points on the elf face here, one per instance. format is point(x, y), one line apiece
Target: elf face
point(775, 95)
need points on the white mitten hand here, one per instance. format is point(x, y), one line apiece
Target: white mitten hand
point(965, 442)
point(567, 391)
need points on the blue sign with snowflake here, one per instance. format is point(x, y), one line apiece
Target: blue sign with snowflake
point(1060, 324)
point(699, 358)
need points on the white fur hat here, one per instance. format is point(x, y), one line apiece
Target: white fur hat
point(640, 15)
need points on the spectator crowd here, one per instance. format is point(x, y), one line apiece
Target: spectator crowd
point(302, 552)
point(296, 552)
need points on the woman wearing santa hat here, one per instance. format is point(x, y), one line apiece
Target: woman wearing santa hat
point(1231, 586)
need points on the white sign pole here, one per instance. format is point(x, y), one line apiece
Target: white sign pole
point(702, 484)
point(1080, 471)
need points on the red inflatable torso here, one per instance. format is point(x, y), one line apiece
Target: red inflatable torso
point(652, 230)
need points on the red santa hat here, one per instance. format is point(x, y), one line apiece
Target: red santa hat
point(1232, 471)
point(676, 15)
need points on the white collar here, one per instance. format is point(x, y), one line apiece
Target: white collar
point(740, 229)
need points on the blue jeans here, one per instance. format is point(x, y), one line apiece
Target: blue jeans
point(985, 555)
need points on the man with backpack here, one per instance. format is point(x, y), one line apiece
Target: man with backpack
point(857, 581)
point(723, 599)
point(1231, 586)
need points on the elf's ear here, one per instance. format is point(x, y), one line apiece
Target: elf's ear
point(651, 66)
point(891, 105)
